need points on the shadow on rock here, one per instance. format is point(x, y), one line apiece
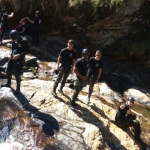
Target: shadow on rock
point(45, 121)
point(90, 118)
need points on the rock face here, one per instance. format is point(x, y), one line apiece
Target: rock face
point(85, 128)
point(37, 116)
point(18, 131)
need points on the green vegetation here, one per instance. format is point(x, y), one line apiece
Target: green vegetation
point(52, 8)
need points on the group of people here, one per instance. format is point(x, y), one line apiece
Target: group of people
point(88, 72)
point(20, 46)
point(22, 28)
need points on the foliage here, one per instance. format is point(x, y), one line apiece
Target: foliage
point(56, 7)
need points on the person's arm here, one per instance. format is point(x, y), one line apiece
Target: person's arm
point(22, 30)
point(25, 50)
point(75, 69)
point(22, 20)
point(138, 114)
point(30, 20)
point(58, 62)
point(73, 62)
point(11, 15)
point(99, 74)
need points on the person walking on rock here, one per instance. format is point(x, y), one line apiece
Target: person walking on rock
point(20, 48)
point(67, 59)
point(125, 120)
point(94, 72)
point(80, 69)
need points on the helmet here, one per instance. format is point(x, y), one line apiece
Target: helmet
point(131, 99)
point(85, 51)
point(37, 12)
point(14, 35)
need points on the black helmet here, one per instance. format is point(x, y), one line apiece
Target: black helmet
point(131, 99)
point(85, 51)
point(37, 12)
point(14, 35)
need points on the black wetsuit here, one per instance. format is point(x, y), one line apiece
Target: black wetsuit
point(123, 120)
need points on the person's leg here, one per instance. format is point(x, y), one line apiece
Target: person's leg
point(9, 69)
point(59, 77)
point(91, 85)
point(18, 80)
point(136, 129)
point(37, 36)
point(2, 33)
point(78, 85)
point(33, 35)
point(66, 74)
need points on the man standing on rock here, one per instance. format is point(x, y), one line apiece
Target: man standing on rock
point(80, 69)
point(94, 72)
point(124, 121)
point(36, 27)
point(20, 48)
point(67, 59)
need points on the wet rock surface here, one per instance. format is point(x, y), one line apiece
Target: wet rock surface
point(85, 128)
point(18, 130)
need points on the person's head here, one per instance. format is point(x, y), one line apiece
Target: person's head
point(70, 44)
point(85, 53)
point(23, 22)
point(37, 13)
point(98, 55)
point(14, 35)
point(130, 100)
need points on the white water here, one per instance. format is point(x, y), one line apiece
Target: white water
point(11, 146)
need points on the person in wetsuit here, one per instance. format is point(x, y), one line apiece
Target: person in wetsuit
point(20, 47)
point(36, 27)
point(125, 120)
